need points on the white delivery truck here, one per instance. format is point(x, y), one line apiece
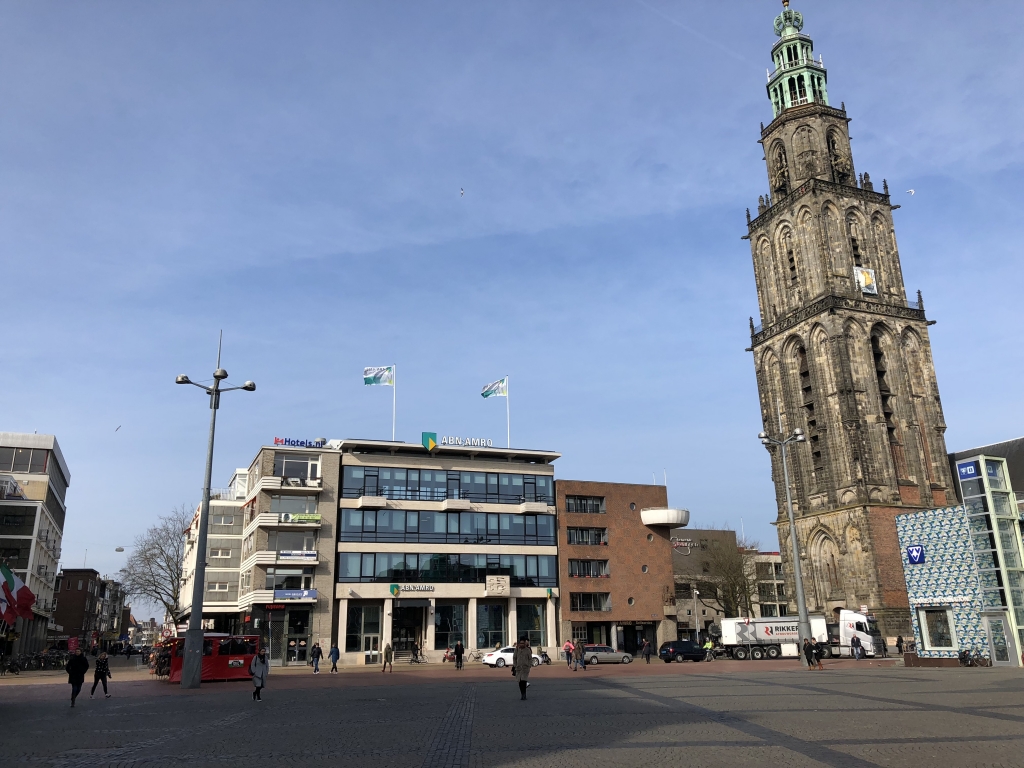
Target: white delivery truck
point(752, 638)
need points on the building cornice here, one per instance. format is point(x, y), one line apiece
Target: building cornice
point(829, 304)
point(812, 186)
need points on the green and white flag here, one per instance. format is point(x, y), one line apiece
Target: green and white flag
point(384, 376)
point(497, 388)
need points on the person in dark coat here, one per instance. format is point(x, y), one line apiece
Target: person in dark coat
point(315, 655)
point(100, 675)
point(334, 655)
point(818, 652)
point(809, 653)
point(459, 653)
point(76, 668)
point(646, 652)
point(522, 662)
point(899, 644)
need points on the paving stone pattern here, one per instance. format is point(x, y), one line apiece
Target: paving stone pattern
point(851, 717)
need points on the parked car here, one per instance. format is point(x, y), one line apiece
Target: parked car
point(503, 658)
point(680, 650)
point(605, 654)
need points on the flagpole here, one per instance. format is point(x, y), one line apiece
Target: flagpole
point(394, 398)
point(508, 427)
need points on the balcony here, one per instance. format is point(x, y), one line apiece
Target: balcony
point(672, 518)
point(295, 485)
point(292, 520)
point(283, 557)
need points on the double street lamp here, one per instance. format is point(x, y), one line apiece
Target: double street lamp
point(797, 436)
point(192, 662)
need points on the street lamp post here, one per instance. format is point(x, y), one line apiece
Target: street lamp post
point(797, 437)
point(696, 621)
point(192, 662)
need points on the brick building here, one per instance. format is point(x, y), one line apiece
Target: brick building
point(840, 352)
point(614, 570)
point(80, 609)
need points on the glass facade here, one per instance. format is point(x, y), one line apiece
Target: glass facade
point(449, 625)
point(490, 625)
point(532, 622)
point(995, 532)
point(439, 485)
point(400, 525)
point(524, 570)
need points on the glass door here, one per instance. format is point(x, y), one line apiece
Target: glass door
point(998, 642)
point(371, 648)
point(276, 641)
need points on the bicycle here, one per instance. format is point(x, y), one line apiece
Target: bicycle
point(475, 656)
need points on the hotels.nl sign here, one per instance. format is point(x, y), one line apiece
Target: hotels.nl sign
point(292, 443)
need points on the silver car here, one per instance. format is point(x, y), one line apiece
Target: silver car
point(604, 654)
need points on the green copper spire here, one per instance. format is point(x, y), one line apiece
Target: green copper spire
point(798, 78)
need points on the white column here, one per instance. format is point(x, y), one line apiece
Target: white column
point(385, 623)
point(513, 622)
point(471, 625)
point(342, 625)
point(552, 626)
point(429, 642)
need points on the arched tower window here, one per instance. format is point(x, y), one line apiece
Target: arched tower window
point(801, 88)
point(789, 250)
point(809, 403)
point(827, 573)
point(888, 404)
point(779, 170)
point(857, 242)
point(839, 157)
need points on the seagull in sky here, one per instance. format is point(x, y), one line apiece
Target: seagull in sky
point(910, 192)
point(462, 192)
point(118, 427)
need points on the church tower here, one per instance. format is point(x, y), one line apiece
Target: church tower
point(840, 352)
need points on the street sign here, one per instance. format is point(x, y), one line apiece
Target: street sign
point(166, 632)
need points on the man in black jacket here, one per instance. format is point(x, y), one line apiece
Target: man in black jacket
point(76, 668)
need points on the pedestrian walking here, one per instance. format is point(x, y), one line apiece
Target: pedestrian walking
point(577, 657)
point(568, 648)
point(259, 668)
point(389, 655)
point(899, 644)
point(818, 652)
point(334, 654)
point(646, 652)
point(315, 655)
point(459, 652)
point(522, 663)
point(76, 668)
point(415, 651)
point(856, 649)
point(100, 675)
point(809, 653)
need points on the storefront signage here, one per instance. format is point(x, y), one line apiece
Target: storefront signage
point(969, 470)
point(294, 517)
point(293, 443)
point(295, 594)
point(398, 588)
point(915, 554)
point(683, 546)
point(273, 607)
point(481, 442)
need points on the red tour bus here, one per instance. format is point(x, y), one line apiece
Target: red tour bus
point(225, 657)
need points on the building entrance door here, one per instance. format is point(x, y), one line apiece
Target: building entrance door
point(297, 644)
point(999, 642)
point(371, 648)
point(406, 629)
point(276, 641)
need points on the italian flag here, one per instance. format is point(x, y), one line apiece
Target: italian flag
point(15, 597)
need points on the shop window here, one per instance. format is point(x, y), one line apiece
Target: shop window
point(362, 629)
point(530, 621)
point(449, 625)
point(937, 629)
point(490, 625)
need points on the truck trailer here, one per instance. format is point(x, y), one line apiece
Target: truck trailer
point(770, 638)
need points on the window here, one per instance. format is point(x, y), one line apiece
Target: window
point(591, 536)
point(220, 553)
point(490, 624)
point(769, 610)
point(23, 460)
point(291, 541)
point(449, 626)
point(590, 601)
point(588, 568)
point(766, 592)
point(587, 504)
point(937, 628)
point(429, 527)
point(764, 571)
point(296, 466)
point(217, 586)
point(292, 505)
point(530, 621)
point(438, 485)
point(523, 570)
point(289, 578)
point(222, 520)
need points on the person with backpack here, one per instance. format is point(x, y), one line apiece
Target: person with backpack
point(100, 675)
point(76, 668)
point(568, 648)
point(259, 668)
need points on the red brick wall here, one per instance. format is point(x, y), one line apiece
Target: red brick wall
point(627, 552)
point(888, 562)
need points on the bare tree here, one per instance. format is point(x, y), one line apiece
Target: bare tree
point(153, 570)
point(732, 573)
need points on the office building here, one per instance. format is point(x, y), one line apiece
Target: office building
point(840, 351)
point(79, 611)
point(615, 564)
point(34, 479)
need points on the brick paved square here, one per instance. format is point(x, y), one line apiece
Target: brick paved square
point(695, 715)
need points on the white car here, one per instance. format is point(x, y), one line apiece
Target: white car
point(504, 658)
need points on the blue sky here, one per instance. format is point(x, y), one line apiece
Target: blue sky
point(291, 174)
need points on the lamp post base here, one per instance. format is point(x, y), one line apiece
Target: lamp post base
point(192, 660)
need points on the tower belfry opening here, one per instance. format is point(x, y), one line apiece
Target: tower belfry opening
point(840, 344)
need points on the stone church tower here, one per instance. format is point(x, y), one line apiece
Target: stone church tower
point(840, 352)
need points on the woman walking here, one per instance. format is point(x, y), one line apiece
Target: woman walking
point(334, 655)
point(809, 654)
point(818, 653)
point(389, 655)
point(76, 668)
point(522, 662)
point(100, 675)
point(568, 648)
point(259, 668)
